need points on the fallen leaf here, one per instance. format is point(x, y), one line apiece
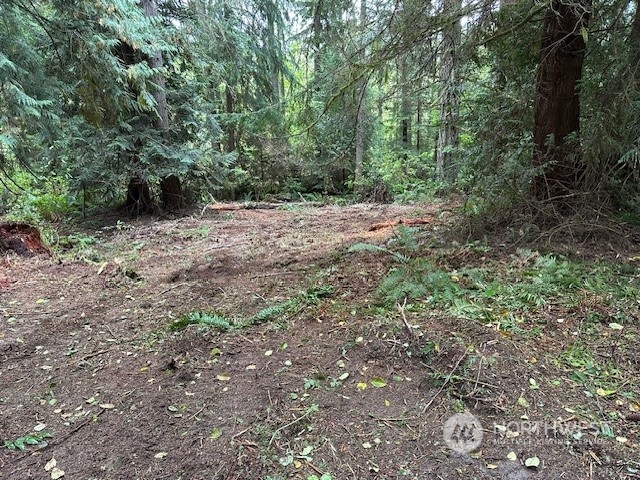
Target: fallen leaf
point(223, 377)
point(268, 353)
point(344, 376)
point(615, 326)
point(512, 456)
point(622, 439)
point(361, 385)
point(107, 406)
point(604, 393)
point(250, 367)
point(378, 382)
point(215, 433)
point(50, 464)
point(522, 402)
point(56, 473)
point(366, 445)
point(532, 462)
point(160, 455)
point(39, 427)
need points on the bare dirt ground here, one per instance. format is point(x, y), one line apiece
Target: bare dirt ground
point(334, 387)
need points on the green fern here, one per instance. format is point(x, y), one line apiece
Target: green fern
point(201, 318)
point(309, 297)
point(368, 247)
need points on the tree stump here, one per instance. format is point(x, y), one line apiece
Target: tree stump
point(171, 193)
point(138, 197)
point(22, 239)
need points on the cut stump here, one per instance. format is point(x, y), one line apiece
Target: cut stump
point(22, 239)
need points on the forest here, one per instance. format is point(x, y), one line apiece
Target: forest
point(319, 239)
point(166, 103)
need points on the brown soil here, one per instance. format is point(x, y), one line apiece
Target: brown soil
point(86, 355)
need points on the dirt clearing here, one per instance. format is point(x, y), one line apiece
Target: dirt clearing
point(268, 379)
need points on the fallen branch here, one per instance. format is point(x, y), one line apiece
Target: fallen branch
point(412, 334)
point(446, 381)
point(410, 222)
point(224, 207)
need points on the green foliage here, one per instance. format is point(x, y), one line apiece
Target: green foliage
point(219, 322)
point(502, 294)
point(37, 199)
point(21, 443)
point(202, 319)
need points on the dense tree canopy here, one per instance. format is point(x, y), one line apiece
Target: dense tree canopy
point(142, 102)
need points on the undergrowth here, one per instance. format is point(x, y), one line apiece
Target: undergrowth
point(495, 291)
point(223, 323)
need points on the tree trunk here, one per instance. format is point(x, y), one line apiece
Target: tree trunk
point(405, 107)
point(449, 94)
point(557, 112)
point(231, 131)
point(170, 188)
point(361, 113)
point(634, 45)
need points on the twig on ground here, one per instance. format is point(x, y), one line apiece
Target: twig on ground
point(412, 334)
point(446, 381)
point(91, 355)
point(296, 420)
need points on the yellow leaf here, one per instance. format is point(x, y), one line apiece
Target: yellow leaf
point(223, 377)
point(604, 393)
point(361, 385)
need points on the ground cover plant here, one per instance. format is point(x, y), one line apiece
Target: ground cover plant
point(312, 343)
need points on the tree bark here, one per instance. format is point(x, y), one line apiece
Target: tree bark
point(231, 131)
point(170, 188)
point(557, 111)
point(361, 113)
point(138, 197)
point(449, 94)
point(171, 193)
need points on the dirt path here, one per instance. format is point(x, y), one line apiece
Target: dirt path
point(330, 386)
